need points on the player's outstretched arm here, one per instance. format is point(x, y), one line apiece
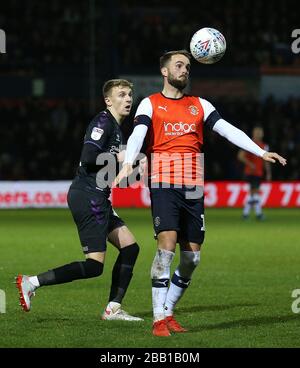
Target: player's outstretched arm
point(240, 139)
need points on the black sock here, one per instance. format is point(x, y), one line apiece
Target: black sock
point(122, 272)
point(72, 271)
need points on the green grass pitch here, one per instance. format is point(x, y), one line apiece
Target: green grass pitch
point(240, 296)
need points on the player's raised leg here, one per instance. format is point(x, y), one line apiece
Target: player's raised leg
point(86, 209)
point(91, 267)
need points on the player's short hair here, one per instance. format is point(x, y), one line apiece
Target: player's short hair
point(166, 57)
point(110, 84)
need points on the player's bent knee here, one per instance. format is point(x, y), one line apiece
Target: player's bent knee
point(191, 260)
point(132, 250)
point(195, 260)
point(93, 268)
point(188, 262)
point(167, 240)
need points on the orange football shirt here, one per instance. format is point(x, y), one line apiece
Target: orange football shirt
point(175, 139)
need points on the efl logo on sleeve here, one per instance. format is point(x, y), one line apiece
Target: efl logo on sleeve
point(2, 42)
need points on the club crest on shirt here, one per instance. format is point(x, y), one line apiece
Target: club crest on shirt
point(97, 133)
point(194, 110)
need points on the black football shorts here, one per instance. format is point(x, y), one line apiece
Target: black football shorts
point(94, 218)
point(172, 210)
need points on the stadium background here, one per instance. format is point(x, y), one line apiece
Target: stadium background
point(58, 54)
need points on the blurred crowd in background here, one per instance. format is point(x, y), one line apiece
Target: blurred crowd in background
point(41, 137)
point(257, 32)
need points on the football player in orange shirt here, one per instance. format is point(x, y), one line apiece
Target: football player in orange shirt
point(172, 124)
point(254, 172)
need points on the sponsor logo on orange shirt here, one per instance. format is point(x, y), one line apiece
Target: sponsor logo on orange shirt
point(179, 128)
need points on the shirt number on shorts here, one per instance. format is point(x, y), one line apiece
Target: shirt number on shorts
point(203, 223)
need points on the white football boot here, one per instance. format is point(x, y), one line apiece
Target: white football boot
point(26, 291)
point(113, 312)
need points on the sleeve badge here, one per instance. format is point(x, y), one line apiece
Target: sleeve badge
point(97, 133)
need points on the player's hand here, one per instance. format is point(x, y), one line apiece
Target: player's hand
point(273, 157)
point(124, 173)
point(142, 166)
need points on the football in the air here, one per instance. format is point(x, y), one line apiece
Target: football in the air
point(208, 45)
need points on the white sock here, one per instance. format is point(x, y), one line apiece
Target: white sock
point(160, 275)
point(248, 205)
point(258, 210)
point(174, 295)
point(34, 281)
point(158, 300)
point(181, 279)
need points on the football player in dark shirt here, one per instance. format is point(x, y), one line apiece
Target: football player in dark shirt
point(88, 200)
